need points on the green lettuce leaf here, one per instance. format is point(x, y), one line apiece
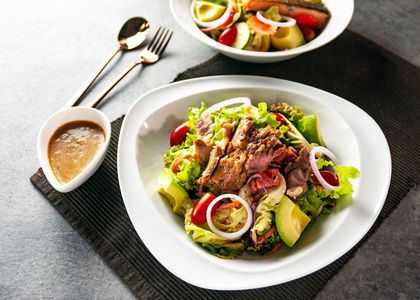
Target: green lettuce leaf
point(269, 243)
point(273, 14)
point(344, 174)
point(217, 245)
point(190, 169)
point(310, 202)
point(262, 117)
point(293, 113)
point(220, 2)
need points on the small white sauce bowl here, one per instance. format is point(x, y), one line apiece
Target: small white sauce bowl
point(57, 120)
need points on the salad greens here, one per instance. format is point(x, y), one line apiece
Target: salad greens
point(262, 190)
point(262, 26)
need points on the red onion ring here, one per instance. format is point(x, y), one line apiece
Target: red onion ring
point(213, 24)
point(226, 235)
point(318, 175)
point(245, 100)
point(290, 21)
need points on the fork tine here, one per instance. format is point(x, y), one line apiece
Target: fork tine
point(151, 43)
point(160, 40)
point(164, 43)
point(156, 45)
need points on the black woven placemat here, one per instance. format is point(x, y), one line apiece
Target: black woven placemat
point(382, 84)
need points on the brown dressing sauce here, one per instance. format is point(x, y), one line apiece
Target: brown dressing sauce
point(72, 147)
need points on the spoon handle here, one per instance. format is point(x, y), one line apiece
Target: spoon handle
point(78, 95)
point(105, 92)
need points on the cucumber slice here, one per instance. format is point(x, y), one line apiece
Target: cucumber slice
point(243, 37)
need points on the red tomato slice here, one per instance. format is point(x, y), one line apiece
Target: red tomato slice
point(228, 36)
point(259, 27)
point(329, 176)
point(271, 178)
point(307, 32)
point(198, 215)
point(307, 20)
point(279, 118)
point(179, 134)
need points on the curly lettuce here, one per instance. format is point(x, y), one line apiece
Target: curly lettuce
point(262, 117)
point(344, 174)
point(189, 169)
point(291, 112)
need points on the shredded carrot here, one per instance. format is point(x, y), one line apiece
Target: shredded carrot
point(274, 250)
point(270, 232)
point(257, 197)
point(259, 27)
point(234, 203)
point(261, 238)
point(177, 161)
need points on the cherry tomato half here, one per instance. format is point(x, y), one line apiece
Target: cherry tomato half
point(279, 118)
point(307, 32)
point(198, 215)
point(179, 134)
point(329, 176)
point(307, 20)
point(228, 36)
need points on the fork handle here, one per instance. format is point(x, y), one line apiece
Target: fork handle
point(105, 92)
point(73, 101)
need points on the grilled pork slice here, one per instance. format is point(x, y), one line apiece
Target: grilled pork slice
point(203, 144)
point(218, 150)
point(296, 174)
point(240, 138)
point(250, 150)
point(230, 174)
point(264, 145)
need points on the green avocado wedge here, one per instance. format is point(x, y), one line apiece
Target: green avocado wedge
point(310, 129)
point(287, 38)
point(207, 11)
point(290, 221)
point(168, 187)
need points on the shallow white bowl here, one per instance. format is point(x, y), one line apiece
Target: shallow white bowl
point(52, 124)
point(351, 134)
point(341, 14)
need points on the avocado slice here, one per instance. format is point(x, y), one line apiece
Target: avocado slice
point(290, 221)
point(287, 38)
point(310, 129)
point(175, 193)
point(208, 11)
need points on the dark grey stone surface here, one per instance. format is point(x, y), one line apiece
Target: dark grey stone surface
point(48, 50)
